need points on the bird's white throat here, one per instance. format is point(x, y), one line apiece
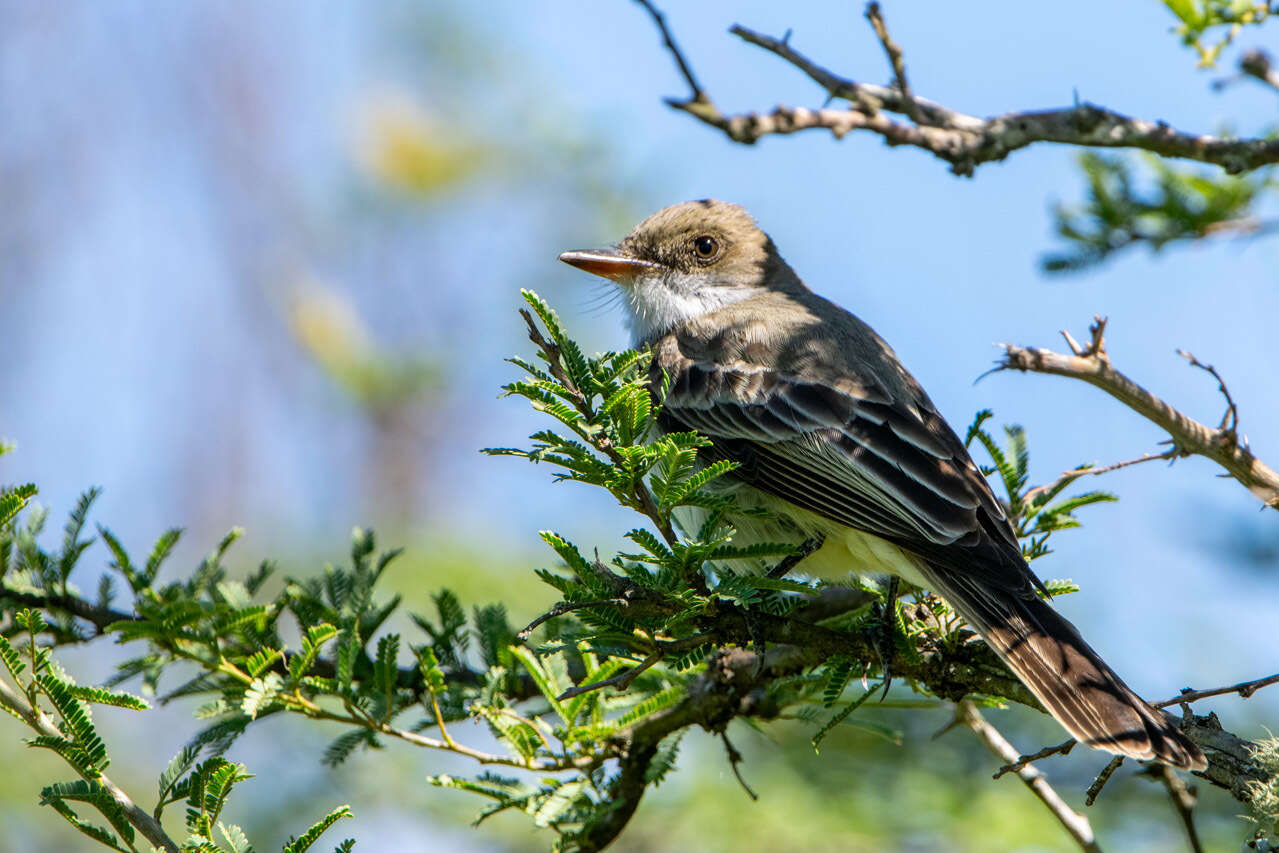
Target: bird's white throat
point(655, 304)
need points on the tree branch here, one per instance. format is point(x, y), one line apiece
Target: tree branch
point(1257, 65)
point(965, 141)
point(1073, 822)
point(141, 821)
point(1243, 688)
point(1183, 801)
point(1092, 364)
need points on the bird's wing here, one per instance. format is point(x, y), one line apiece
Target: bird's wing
point(855, 455)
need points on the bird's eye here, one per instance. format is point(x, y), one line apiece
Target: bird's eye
point(706, 247)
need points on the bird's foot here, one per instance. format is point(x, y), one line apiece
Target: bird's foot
point(788, 564)
point(885, 633)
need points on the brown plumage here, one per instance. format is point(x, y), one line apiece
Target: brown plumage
point(839, 440)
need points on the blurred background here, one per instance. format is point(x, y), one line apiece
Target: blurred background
point(260, 266)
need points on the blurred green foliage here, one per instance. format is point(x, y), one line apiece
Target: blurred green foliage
point(1209, 26)
point(1147, 201)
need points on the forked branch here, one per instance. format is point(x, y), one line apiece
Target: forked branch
point(1222, 444)
point(962, 140)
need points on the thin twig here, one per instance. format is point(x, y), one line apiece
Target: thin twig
point(566, 607)
point(1074, 823)
point(734, 760)
point(1230, 420)
point(787, 564)
point(1243, 688)
point(684, 69)
point(1063, 748)
point(1092, 364)
point(1073, 474)
point(1183, 800)
point(1256, 64)
point(619, 682)
point(1103, 777)
point(895, 59)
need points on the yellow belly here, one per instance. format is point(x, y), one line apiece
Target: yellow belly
point(844, 550)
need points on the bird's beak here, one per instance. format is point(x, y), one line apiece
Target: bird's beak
point(607, 263)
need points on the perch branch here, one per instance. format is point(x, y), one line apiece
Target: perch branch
point(1183, 801)
point(1090, 363)
point(1243, 688)
point(962, 140)
point(1074, 823)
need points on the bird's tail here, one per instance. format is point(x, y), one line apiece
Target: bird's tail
point(1069, 679)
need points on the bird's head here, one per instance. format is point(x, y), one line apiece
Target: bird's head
point(685, 261)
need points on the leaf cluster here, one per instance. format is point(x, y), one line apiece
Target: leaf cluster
point(1153, 204)
point(1210, 26)
point(1036, 512)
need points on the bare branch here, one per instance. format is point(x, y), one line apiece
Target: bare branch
point(965, 141)
point(1243, 688)
point(734, 760)
point(895, 59)
point(1073, 474)
point(1183, 800)
point(1230, 420)
point(1256, 64)
point(684, 69)
point(1092, 365)
point(1063, 748)
point(1073, 822)
point(567, 607)
point(1090, 796)
point(620, 681)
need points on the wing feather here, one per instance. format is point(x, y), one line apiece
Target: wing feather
point(853, 455)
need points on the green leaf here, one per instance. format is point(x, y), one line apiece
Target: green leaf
point(261, 660)
point(312, 643)
point(235, 838)
point(349, 647)
point(385, 668)
point(664, 761)
point(79, 727)
point(838, 674)
point(72, 547)
point(545, 678)
point(12, 660)
point(13, 500)
point(261, 694)
point(94, 794)
point(178, 767)
point(102, 696)
point(840, 716)
point(340, 749)
point(159, 553)
point(652, 705)
point(211, 784)
point(429, 665)
point(304, 841)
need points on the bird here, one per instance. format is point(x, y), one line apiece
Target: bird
point(841, 445)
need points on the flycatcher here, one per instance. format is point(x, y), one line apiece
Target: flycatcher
point(840, 443)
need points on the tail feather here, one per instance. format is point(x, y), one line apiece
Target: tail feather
point(1071, 680)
